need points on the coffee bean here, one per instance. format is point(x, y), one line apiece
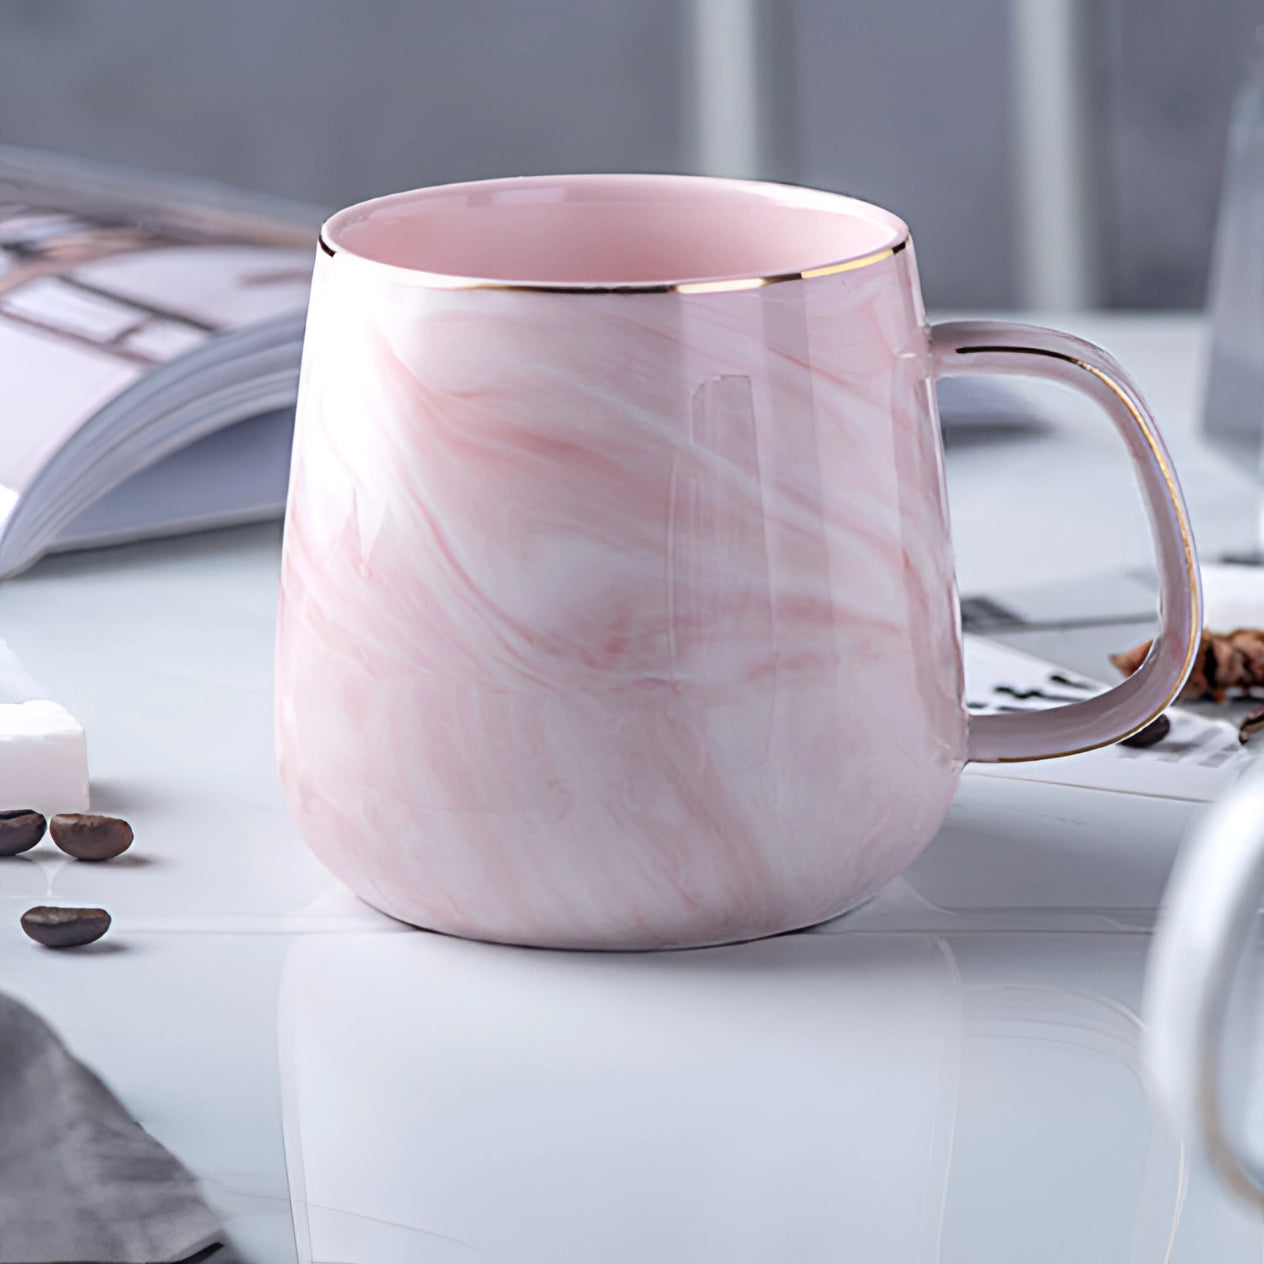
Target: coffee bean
point(88, 837)
point(65, 927)
point(20, 830)
point(1252, 723)
point(1155, 731)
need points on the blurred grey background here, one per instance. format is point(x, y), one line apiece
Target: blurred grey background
point(957, 116)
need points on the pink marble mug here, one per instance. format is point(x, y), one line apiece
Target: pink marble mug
point(617, 605)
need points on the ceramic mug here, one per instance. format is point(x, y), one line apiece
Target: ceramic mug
point(1212, 900)
point(617, 606)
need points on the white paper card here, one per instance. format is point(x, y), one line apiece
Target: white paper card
point(1198, 759)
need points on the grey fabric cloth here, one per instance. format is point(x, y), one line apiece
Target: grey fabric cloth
point(80, 1181)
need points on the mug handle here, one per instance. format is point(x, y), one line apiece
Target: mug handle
point(1212, 897)
point(984, 346)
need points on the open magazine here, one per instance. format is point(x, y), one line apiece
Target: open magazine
point(150, 333)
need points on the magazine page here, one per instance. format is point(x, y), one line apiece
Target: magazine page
point(105, 276)
point(1200, 756)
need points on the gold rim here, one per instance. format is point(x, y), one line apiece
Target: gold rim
point(1187, 541)
point(438, 281)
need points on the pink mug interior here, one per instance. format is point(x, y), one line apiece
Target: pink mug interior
point(636, 231)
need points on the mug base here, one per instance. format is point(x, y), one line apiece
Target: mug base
point(683, 945)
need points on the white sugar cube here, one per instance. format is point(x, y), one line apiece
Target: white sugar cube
point(43, 758)
point(43, 753)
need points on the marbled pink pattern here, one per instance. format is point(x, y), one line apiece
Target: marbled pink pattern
point(618, 620)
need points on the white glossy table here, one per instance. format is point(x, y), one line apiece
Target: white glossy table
point(949, 1074)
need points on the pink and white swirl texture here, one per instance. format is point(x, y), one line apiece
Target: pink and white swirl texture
point(618, 620)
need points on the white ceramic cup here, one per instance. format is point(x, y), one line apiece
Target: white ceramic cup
point(1215, 890)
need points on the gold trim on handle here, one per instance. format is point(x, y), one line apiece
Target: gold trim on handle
point(1169, 478)
point(439, 281)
